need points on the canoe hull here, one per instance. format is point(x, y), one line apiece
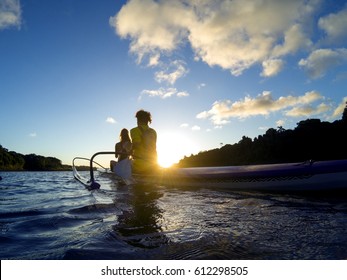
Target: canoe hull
point(309, 176)
point(318, 182)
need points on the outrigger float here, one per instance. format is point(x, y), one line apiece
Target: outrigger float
point(303, 176)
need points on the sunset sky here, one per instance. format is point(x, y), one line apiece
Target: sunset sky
point(74, 73)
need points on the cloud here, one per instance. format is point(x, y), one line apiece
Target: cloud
point(280, 122)
point(164, 93)
point(294, 39)
point(322, 60)
point(272, 67)
point(263, 105)
point(150, 25)
point(194, 127)
point(10, 14)
point(172, 73)
point(182, 94)
point(201, 85)
point(33, 134)
point(340, 108)
point(308, 110)
point(334, 26)
point(233, 35)
point(110, 120)
point(154, 60)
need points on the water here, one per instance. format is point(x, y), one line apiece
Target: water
point(49, 215)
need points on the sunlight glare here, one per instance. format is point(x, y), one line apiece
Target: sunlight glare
point(172, 147)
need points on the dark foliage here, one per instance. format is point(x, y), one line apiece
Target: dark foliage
point(10, 160)
point(312, 139)
point(13, 161)
point(37, 163)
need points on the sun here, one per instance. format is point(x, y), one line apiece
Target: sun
point(172, 147)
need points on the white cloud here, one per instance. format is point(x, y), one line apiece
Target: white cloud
point(340, 108)
point(172, 73)
point(33, 134)
point(272, 67)
point(194, 127)
point(164, 93)
point(154, 60)
point(334, 26)
point(280, 122)
point(182, 94)
point(151, 25)
point(10, 14)
point(308, 110)
point(218, 127)
point(322, 60)
point(202, 85)
point(294, 39)
point(233, 35)
point(110, 120)
point(263, 104)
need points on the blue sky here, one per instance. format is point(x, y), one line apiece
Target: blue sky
point(74, 73)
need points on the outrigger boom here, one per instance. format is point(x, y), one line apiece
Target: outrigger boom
point(91, 183)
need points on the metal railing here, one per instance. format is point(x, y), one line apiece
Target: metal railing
point(91, 183)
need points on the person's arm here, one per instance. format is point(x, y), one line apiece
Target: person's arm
point(117, 149)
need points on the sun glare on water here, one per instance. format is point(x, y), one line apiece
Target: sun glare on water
point(172, 147)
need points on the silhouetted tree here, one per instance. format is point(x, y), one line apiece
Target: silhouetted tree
point(311, 139)
point(10, 160)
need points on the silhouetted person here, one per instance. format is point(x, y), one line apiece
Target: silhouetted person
point(123, 148)
point(144, 141)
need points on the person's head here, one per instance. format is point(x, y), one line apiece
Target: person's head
point(124, 135)
point(143, 117)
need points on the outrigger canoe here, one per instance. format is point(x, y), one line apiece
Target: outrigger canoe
point(303, 176)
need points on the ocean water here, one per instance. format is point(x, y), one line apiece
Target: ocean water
point(49, 215)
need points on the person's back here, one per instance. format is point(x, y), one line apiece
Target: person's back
point(144, 140)
point(123, 148)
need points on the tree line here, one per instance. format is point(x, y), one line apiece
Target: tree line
point(11, 161)
point(311, 139)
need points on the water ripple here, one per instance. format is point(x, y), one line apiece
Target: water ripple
point(48, 215)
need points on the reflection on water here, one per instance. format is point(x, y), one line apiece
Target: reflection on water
point(50, 216)
point(140, 225)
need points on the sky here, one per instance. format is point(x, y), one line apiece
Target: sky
point(74, 73)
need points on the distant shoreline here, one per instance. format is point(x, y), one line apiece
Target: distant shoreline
point(64, 169)
point(16, 162)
